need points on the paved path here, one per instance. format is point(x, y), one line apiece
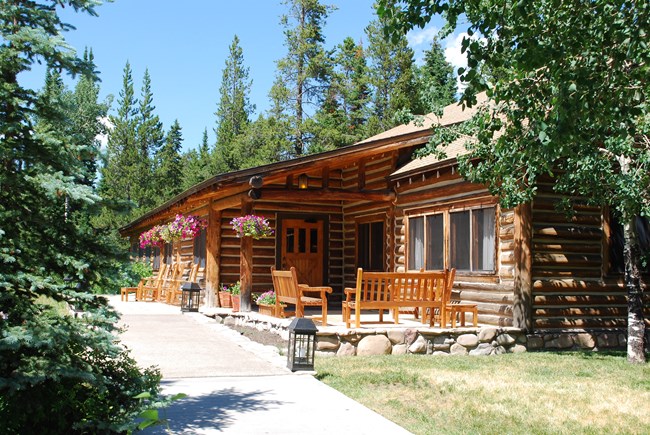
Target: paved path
point(235, 385)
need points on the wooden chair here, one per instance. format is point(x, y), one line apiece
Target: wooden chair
point(288, 291)
point(150, 289)
point(457, 308)
point(174, 293)
point(126, 291)
point(176, 276)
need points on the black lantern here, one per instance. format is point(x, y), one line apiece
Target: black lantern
point(190, 296)
point(302, 344)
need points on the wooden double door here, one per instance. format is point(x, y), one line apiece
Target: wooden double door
point(303, 247)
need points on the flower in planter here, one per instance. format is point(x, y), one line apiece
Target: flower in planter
point(152, 237)
point(235, 289)
point(266, 298)
point(182, 227)
point(253, 226)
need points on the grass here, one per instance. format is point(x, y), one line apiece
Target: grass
point(516, 393)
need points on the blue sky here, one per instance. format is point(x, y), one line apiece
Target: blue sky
point(184, 45)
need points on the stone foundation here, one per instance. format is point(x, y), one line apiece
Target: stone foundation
point(595, 340)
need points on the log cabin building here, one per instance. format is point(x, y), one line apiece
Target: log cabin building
point(374, 205)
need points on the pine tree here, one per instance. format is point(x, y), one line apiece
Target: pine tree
point(150, 136)
point(436, 79)
point(57, 371)
point(234, 108)
point(120, 175)
point(304, 73)
point(198, 164)
point(169, 172)
point(394, 87)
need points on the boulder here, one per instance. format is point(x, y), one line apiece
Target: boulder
point(518, 348)
point(535, 342)
point(505, 340)
point(410, 335)
point(467, 340)
point(482, 349)
point(346, 349)
point(457, 349)
point(584, 341)
point(486, 335)
point(230, 321)
point(327, 342)
point(399, 349)
point(374, 345)
point(396, 336)
point(418, 346)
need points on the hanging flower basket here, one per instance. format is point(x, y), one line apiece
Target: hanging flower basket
point(182, 227)
point(152, 237)
point(252, 226)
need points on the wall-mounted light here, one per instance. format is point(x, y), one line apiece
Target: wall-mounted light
point(303, 181)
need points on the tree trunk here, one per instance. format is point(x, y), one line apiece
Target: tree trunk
point(635, 324)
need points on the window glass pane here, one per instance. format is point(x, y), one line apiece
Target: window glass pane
point(416, 243)
point(483, 239)
point(200, 247)
point(290, 239)
point(435, 242)
point(377, 246)
point(313, 240)
point(459, 236)
point(302, 240)
point(363, 246)
point(168, 253)
point(156, 258)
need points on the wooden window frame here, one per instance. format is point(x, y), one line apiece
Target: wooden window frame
point(446, 210)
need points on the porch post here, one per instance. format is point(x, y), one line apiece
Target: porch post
point(246, 261)
point(213, 256)
point(522, 310)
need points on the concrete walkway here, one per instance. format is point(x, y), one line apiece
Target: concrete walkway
point(234, 385)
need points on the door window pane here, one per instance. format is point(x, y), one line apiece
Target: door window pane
point(416, 243)
point(459, 237)
point(377, 246)
point(302, 240)
point(313, 240)
point(363, 244)
point(200, 247)
point(435, 242)
point(290, 239)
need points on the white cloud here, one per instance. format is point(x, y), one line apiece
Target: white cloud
point(418, 37)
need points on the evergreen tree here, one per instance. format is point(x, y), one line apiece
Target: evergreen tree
point(234, 107)
point(57, 371)
point(121, 179)
point(436, 80)
point(169, 172)
point(304, 73)
point(197, 164)
point(150, 135)
point(392, 76)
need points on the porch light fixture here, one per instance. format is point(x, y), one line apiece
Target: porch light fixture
point(303, 181)
point(302, 344)
point(190, 297)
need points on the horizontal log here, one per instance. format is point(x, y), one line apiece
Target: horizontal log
point(540, 300)
point(548, 272)
point(326, 194)
point(545, 323)
point(559, 218)
point(586, 312)
point(541, 231)
point(584, 248)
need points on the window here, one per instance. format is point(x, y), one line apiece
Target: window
point(617, 242)
point(156, 258)
point(471, 241)
point(370, 246)
point(200, 248)
point(168, 249)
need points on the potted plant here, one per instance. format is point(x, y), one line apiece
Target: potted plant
point(267, 304)
point(235, 291)
point(225, 299)
point(252, 226)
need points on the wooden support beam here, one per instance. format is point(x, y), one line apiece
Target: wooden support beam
point(213, 257)
point(246, 261)
point(522, 309)
point(326, 194)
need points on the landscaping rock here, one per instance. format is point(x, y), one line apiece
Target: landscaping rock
point(230, 321)
point(486, 335)
point(321, 354)
point(535, 342)
point(457, 349)
point(467, 340)
point(327, 342)
point(441, 347)
point(374, 345)
point(346, 349)
point(499, 350)
point(622, 340)
point(396, 336)
point(483, 349)
point(607, 340)
point(518, 348)
point(505, 339)
point(218, 319)
point(353, 337)
point(440, 353)
point(399, 349)
point(410, 335)
point(584, 341)
point(562, 342)
point(418, 346)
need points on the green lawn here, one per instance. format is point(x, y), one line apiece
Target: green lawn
point(514, 393)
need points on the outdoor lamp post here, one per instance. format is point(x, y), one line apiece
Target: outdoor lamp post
point(302, 344)
point(190, 296)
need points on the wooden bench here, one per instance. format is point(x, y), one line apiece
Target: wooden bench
point(394, 290)
point(288, 291)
